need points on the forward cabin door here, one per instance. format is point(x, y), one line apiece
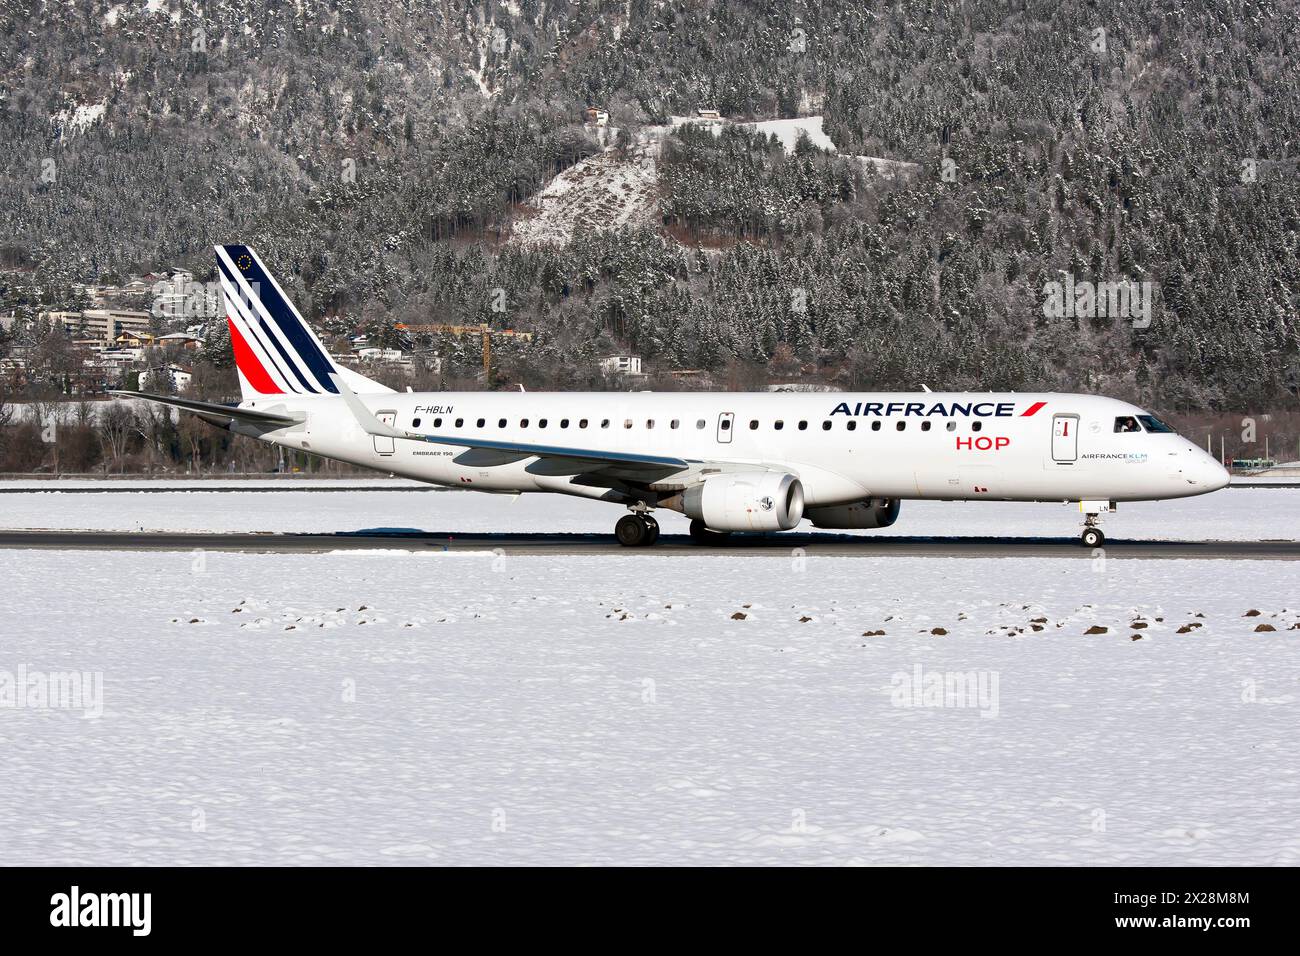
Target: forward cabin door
point(383, 443)
point(726, 425)
point(1065, 438)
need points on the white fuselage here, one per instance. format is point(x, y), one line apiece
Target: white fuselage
point(843, 447)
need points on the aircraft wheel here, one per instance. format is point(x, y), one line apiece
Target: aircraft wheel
point(652, 529)
point(632, 531)
point(1092, 538)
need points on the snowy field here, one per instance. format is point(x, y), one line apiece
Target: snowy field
point(384, 707)
point(1234, 514)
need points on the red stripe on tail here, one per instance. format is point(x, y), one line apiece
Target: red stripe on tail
point(249, 365)
point(1032, 409)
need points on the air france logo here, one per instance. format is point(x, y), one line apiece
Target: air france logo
point(944, 409)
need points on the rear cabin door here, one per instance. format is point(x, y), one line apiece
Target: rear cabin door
point(1065, 438)
point(383, 443)
point(726, 425)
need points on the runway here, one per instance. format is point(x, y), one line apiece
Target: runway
point(783, 545)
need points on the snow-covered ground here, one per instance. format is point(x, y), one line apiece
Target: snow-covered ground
point(1249, 514)
point(457, 708)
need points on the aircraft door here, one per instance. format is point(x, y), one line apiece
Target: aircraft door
point(726, 423)
point(1065, 438)
point(384, 444)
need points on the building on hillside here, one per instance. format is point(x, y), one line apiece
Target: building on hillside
point(69, 320)
point(178, 376)
point(134, 340)
point(107, 324)
point(595, 116)
point(184, 339)
point(13, 371)
point(621, 365)
point(706, 113)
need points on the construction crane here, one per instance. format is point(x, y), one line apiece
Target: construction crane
point(485, 331)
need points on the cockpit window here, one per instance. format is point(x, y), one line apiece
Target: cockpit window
point(1127, 423)
point(1154, 424)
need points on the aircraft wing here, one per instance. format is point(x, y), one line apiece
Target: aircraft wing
point(212, 410)
point(621, 460)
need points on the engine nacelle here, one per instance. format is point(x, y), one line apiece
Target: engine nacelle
point(871, 513)
point(743, 501)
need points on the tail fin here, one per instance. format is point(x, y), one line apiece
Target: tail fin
point(276, 352)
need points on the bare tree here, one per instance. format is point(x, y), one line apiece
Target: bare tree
point(116, 426)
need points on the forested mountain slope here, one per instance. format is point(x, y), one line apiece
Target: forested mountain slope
point(377, 152)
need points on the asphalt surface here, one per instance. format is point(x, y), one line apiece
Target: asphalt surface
point(567, 544)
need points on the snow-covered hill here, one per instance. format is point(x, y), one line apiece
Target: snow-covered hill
point(613, 189)
point(618, 188)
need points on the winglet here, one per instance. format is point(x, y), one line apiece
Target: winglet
point(368, 422)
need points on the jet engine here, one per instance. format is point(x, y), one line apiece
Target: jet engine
point(870, 513)
point(743, 501)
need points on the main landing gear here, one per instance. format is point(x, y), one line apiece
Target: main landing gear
point(637, 530)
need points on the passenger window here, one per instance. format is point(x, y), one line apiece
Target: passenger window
point(604, 423)
point(627, 423)
point(460, 422)
point(649, 423)
point(976, 426)
point(901, 425)
point(415, 423)
point(564, 423)
point(826, 426)
point(726, 424)
point(852, 426)
point(952, 426)
point(501, 423)
point(875, 426)
point(523, 423)
point(482, 422)
point(925, 426)
point(1127, 423)
point(674, 423)
point(803, 426)
point(753, 424)
point(700, 423)
point(437, 423)
point(582, 423)
point(778, 424)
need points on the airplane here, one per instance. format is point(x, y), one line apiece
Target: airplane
point(729, 461)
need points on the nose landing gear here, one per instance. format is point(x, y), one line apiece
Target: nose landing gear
point(1092, 537)
point(637, 530)
point(1092, 512)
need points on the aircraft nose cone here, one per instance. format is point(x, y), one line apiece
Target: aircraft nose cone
point(1218, 477)
point(1209, 474)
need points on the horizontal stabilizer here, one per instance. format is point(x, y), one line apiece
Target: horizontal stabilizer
point(210, 409)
